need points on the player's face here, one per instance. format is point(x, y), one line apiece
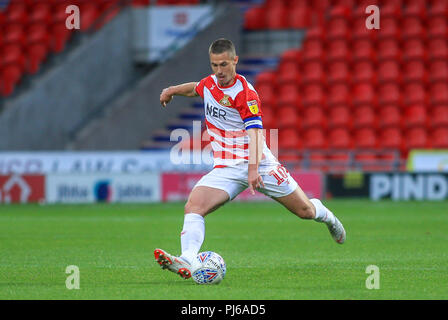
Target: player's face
point(224, 67)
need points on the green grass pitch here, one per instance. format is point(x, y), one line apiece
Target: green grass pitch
point(270, 254)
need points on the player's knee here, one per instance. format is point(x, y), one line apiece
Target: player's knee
point(305, 211)
point(194, 207)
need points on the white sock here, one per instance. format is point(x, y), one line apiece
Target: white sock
point(192, 236)
point(322, 213)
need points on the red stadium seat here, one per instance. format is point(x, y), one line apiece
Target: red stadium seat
point(266, 93)
point(337, 50)
point(12, 54)
point(9, 77)
point(414, 49)
point(288, 75)
point(365, 138)
point(390, 10)
point(287, 117)
point(312, 50)
point(339, 116)
point(313, 117)
point(359, 30)
point(338, 29)
point(362, 49)
point(389, 28)
point(415, 93)
point(314, 138)
point(364, 117)
point(40, 13)
point(16, 13)
point(266, 77)
point(313, 94)
point(37, 52)
point(439, 8)
point(438, 48)
point(289, 139)
point(291, 56)
point(277, 18)
point(415, 116)
point(438, 71)
point(416, 138)
point(389, 93)
point(288, 96)
point(389, 71)
point(313, 72)
point(60, 36)
point(269, 119)
point(391, 138)
point(439, 116)
point(363, 71)
point(315, 33)
point(338, 94)
point(439, 138)
point(364, 93)
point(338, 72)
point(14, 33)
point(437, 27)
point(439, 93)
point(415, 71)
point(90, 13)
point(299, 17)
point(388, 49)
point(339, 138)
point(412, 27)
point(389, 116)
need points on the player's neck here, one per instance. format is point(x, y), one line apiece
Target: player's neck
point(229, 83)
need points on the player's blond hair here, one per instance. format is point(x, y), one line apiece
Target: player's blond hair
point(222, 45)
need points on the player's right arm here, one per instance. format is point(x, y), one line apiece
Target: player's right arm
point(186, 89)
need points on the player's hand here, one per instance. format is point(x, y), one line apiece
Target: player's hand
point(165, 97)
point(254, 181)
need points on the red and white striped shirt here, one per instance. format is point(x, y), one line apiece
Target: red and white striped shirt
point(229, 112)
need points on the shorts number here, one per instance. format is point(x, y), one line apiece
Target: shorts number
point(280, 173)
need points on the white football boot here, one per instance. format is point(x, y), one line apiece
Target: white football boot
point(337, 231)
point(172, 263)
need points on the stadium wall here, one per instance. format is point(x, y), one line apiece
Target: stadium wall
point(137, 113)
point(61, 99)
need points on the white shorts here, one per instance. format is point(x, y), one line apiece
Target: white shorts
point(233, 180)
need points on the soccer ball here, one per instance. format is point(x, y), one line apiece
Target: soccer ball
point(208, 268)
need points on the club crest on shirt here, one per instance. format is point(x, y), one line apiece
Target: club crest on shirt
point(253, 106)
point(225, 101)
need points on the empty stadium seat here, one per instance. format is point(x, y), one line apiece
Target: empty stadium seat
point(391, 138)
point(299, 17)
point(312, 95)
point(339, 138)
point(313, 50)
point(289, 139)
point(312, 72)
point(314, 138)
point(439, 116)
point(416, 138)
point(365, 138)
point(415, 93)
point(389, 71)
point(414, 49)
point(287, 117)
point(439, 137)
point(438, 48)
point(338, 71)
point(9, 77)
point(364, 93)
point(389, 93)
point(415, 116)
point(337, 50)
point(313, 117)
point(362, 49)
point(412, 27)
point(338, 94)
point(388, 49)
point(389, 116)
point(339, 116)
point(415, 71)
point(364, 117)
point(438, 71)
point(439, 93)
point(363, 71)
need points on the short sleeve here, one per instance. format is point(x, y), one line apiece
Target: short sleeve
point(200, 87)
point(249, 106)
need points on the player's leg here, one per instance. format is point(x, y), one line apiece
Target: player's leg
point(202, 201)
point(212, 191)
point(280, 186)
point(298, 203)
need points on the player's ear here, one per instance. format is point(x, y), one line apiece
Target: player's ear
point(235, 60)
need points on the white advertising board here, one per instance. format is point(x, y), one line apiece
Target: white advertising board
point(89, 188)
point(428, 160)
